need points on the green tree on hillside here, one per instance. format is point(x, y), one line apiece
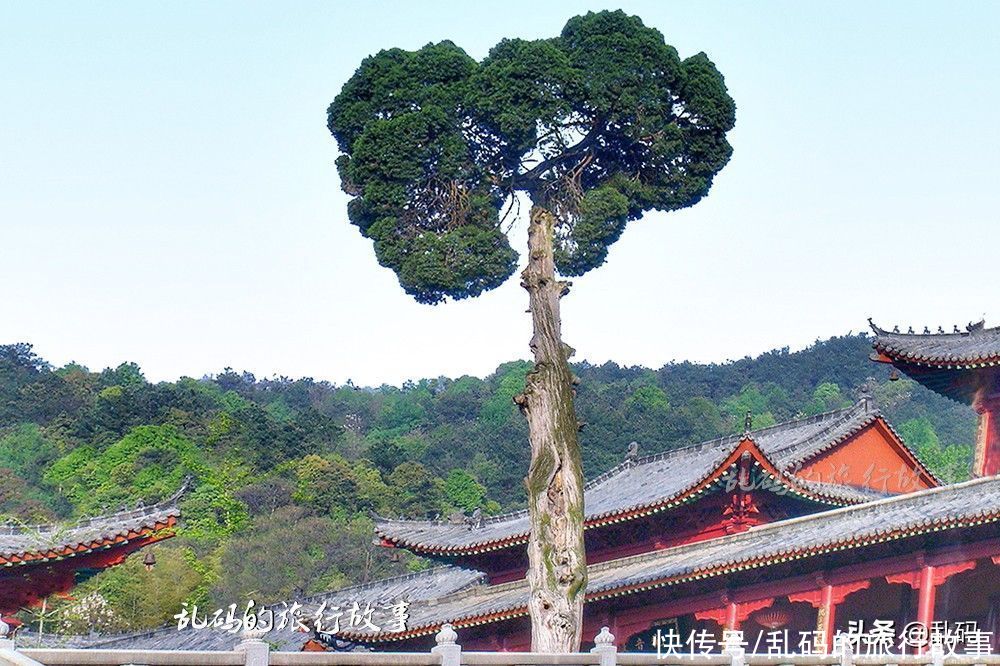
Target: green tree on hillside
point(463, 491)
point(950, 462)
point(150, 463)
point(595, 127)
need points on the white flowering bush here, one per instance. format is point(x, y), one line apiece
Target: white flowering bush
point(89, 613)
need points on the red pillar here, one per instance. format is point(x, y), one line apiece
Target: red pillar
point(926, 579)
point(987, 455)
point(732, 619)
point(825, 600)
point(826, 616)
point(925, 603)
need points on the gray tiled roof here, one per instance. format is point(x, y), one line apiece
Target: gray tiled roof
point(937, 509)
point(428, 584)
point(415, 587)
point(976, 347)
point(658, 480)
point(17, 541)
point(164, 638)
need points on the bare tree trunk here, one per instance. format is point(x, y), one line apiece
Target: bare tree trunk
point(557, 573)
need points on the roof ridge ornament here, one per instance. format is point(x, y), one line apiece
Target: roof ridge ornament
point(476, 519)
point(866, 394)
point(977, 327)
point(632, 455)
point(747, 423)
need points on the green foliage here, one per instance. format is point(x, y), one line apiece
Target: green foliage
point(950, 462)
point(296, 553)
point(648, 400)
point(827, 397)
point(398, 122)
point(599, 125)
point(463, 491)
point(919, 433)
point(753, 400)
point(20, 502)
point(325, 485)
point(500, 406)
point(26, 451)
point(419, 493)
point(149, 463)
point(212, 513)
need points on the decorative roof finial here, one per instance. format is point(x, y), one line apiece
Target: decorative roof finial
point(927, 330)
point(956, 329)
point(895, 329)
point(940, 329)
point(747, 423)
point(866, 394)
point(633, 453)
point(910, 330)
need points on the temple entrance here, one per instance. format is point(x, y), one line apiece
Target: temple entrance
point(780, 627)
point(969, 600)
point(881, 601)
point(675, 631)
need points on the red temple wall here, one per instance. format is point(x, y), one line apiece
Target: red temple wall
point(864, 582)
point(870, 459)
point(705, 518)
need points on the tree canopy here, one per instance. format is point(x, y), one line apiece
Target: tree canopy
point(599, 125)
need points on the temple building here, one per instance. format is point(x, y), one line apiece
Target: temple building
point(963, 366)
point(803, 526)
point(41, 560)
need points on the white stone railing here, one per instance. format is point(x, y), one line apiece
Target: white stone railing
point(253, 651)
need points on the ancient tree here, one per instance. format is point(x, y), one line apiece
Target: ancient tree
point(595, 127)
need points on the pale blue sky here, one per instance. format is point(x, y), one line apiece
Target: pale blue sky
point(168, 195)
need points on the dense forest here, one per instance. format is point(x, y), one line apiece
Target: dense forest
point(286, 473)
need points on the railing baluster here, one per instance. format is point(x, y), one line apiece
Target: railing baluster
point(447, 646)
point(604, 646)
point(256, 651)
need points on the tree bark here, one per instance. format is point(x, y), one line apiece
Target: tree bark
point(557, 572)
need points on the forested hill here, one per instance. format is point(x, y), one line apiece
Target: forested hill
point(287, 472)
